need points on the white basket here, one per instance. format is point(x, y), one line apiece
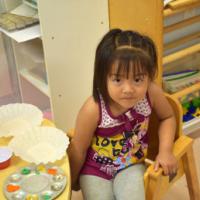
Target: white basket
point(18, 117)
point(40, 145)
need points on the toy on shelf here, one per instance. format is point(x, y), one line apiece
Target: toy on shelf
point(191, 109)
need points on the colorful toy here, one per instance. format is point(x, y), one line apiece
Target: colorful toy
point(191, 109)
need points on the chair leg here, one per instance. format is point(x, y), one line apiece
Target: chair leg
point(191, 175)
point(153, 189)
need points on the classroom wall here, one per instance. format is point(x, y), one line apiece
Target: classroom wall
point(70, 33)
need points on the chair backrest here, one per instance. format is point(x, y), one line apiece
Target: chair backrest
point(154, 123)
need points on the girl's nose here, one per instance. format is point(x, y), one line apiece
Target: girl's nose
point(128, 88)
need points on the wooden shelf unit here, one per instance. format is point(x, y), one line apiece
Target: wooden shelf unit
point(187, 91)
point(182, 40)
point(180, 54)
point(181, 24)
point(172, 9)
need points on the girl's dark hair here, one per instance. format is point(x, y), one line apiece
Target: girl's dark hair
point(130, 49)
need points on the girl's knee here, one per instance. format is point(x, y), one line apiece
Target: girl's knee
point(130, 183)
point(97, 188)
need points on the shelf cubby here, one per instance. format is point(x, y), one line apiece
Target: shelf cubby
point(171, 10)
point(181, 50)
point(180, 54)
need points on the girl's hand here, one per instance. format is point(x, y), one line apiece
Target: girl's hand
point(168, 162)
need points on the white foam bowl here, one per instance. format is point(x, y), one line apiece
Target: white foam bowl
point(18, 117)
point(40, 145)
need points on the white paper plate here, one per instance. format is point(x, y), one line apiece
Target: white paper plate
point(40, 145)
point(17, 118)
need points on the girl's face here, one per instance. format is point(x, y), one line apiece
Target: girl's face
point(125, 90)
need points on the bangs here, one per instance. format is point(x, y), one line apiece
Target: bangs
point(125, 61)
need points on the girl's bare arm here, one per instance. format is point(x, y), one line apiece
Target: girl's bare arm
point(166, 131)
point(86, 124)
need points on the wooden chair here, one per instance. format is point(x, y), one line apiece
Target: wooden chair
point(156, 184)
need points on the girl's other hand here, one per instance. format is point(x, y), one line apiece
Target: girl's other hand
point(168, 162)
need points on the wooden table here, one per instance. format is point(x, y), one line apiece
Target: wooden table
point(17, 163)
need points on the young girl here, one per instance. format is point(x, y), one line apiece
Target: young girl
point(110, 142)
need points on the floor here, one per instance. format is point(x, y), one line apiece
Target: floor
point(179, 189)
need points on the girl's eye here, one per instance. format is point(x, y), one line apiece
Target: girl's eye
point(138, 80)
point(117, 80)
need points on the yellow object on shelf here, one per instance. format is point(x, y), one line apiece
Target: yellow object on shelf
point(12, 22)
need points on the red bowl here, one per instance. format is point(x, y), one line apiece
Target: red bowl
point(5, 157)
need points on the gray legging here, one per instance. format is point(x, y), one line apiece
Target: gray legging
point(127, 185)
